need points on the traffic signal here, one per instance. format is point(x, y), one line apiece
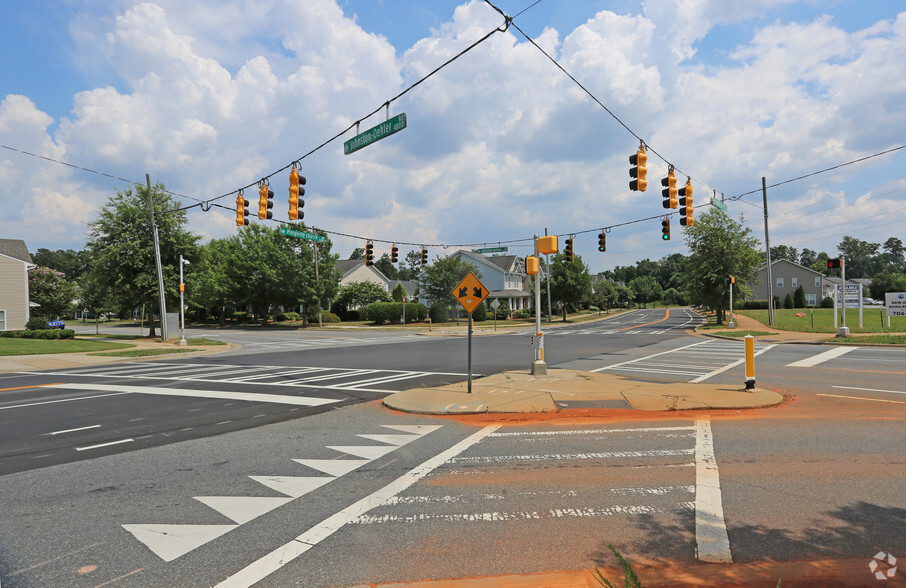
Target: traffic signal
point(833, 263)
point(639, 171)
point(669, 191)
point(296, 191)
point(394, 254)
point(665, 229)
point(264, 201)
point(531, 265)
point(568, 251)
point(424, 256)
point(369, 254)
point(602, 242)
point(685, 200)
point(242, 212)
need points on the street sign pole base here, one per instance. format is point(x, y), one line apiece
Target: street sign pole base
point(750, 385)
point(843, 332)
point(539, 368)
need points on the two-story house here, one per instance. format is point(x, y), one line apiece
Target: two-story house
point(788, 276)
point(15, 261)
point(504, 276)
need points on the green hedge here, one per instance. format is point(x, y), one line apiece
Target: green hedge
point(40, 334)
point(439, 313)
point(391, 312)
point(755, 305)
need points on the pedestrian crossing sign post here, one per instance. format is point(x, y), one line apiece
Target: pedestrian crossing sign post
point(470, 292)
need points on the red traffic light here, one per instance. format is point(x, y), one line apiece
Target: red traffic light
point(833, 263)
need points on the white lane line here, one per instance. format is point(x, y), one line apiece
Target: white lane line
point(869, 389)
point(61, 400)
point(712, 542)
point(73, 430)
point(98, 446)
point(821, 357)
point(275, 398)
point(273, 561)
point(728, 366)
point(616, 365)
point(863, 398)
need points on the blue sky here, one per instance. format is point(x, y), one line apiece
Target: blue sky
point(500, 145)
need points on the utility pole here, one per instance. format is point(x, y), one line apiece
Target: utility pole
point(160, 273)
point(767, 250)
point(314, 245)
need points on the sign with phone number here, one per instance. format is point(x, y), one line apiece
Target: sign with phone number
point(895, 303)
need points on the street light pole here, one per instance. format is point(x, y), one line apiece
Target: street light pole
point(160, 273)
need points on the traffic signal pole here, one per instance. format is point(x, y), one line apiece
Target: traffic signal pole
point(539, 368)
point(843, 331)
point(767, 250)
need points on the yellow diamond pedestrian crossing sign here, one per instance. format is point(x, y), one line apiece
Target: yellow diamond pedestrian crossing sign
point(470, 292)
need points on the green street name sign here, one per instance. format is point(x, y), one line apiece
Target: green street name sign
point(385, 129)
point(301, 234)
point(491, 250)
point(718, 204)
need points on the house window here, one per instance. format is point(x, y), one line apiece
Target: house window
point(2, 320)
point(779, 283)
point(794, 283)
point(810, 300)
point(817, 282)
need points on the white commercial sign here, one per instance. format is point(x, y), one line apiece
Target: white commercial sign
point(853, 296)
point(895, 303)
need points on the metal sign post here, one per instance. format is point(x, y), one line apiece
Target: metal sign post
point(470, 292)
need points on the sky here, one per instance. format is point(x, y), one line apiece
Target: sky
point(500, 144)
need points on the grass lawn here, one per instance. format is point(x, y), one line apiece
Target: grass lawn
point(821, 320)
point(741, 333)
point(146, 352)
point(876, 339)
point(13, 346)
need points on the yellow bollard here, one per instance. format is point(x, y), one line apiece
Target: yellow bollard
point(750, 362)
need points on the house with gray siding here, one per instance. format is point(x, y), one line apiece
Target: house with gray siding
point(15, 261)
point(788, 276)
point(503, 275)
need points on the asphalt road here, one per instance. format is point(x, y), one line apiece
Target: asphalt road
point(352, 493)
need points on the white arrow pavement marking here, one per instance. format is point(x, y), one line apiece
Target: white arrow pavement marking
point(270, 563)
point(364, 451)
point(242, 509)
point(172, 541)
point(397, 440)
point(275, 398)
point(291, 485)
point(334, 467)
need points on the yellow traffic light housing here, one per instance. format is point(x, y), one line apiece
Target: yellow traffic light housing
point(424, 255)
point(296, 191)
point(669, 192)
point(639, 169)
point(369, 254)
point(242, 213)
point(665, 229)
point(685, 201)
point(532, 265)
point(602, 241)
point(568, 250)
point(547, 244)
point(394, 254)
point(264, 201)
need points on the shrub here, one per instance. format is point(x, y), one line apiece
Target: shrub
point(40, 334)
point(36, 323)
point(755, 305)
point(503, 311)
point(799, 298)
point(480, 313)
point(594, 308)
point(241, 317)
point(327, 317)
point(439, 313)
point(777, 302)
point(522, 313)
point(788, 301)
point(827, 302)
point(288, 316)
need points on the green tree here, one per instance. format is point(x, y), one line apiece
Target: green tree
point(786, 252)
point(570, 282)
point(72, 263)
point(52, 291)
point(413, 266)
point(645, 289)
point(887, 281)
point(436, 281)
point(358, 295)
point(894, 256)
point(357, 253)
point(860, 257)
point(808, 258)
point(209, 283)
point(386, 267)
point(94, 298)
point(604, 294)
point(788, 300)
point(121, 245)
point(721, 247)
point(669, 273)
point(399, 292)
